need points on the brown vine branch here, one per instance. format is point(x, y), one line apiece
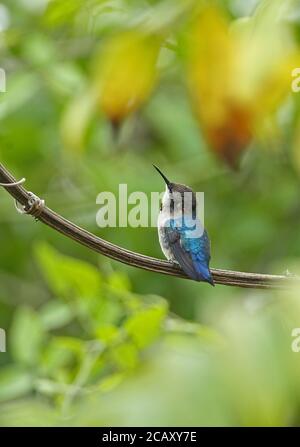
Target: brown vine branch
point(31, 204)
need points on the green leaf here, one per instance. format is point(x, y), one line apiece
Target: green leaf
point(66, 79)
point(111, 382)
point(39, 50)
point(20, 90)
point(14, 383)
point(67, 276)
point(125, 356)
point(145, 326)
point(59, 355)
point(103, 312)
point(119, 281)
point(26, 336)
point(55, 314)
point(108, 333)
point(76, 119)
point(60, 12)
point(74, 345)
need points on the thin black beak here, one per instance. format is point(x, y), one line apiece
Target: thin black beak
point(168, 183)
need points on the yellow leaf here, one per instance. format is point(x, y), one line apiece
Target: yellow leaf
point(76, 120)
point(238, 77)
point(126, 74)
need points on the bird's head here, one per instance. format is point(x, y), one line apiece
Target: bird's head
point(177, 198)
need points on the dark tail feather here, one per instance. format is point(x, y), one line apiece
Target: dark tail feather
point(204, 274)
point(210, 281)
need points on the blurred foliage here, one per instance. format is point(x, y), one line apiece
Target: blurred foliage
point(97, 91)
point(235, 105)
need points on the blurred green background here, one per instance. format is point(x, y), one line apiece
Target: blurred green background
point(94, 342)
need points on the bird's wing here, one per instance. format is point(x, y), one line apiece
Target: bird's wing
point(191, 253)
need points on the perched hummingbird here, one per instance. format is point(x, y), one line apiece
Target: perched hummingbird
point(179, 238)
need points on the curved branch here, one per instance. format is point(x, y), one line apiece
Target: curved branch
point(83, 237)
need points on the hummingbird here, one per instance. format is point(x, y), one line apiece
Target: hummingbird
point(182, 237)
